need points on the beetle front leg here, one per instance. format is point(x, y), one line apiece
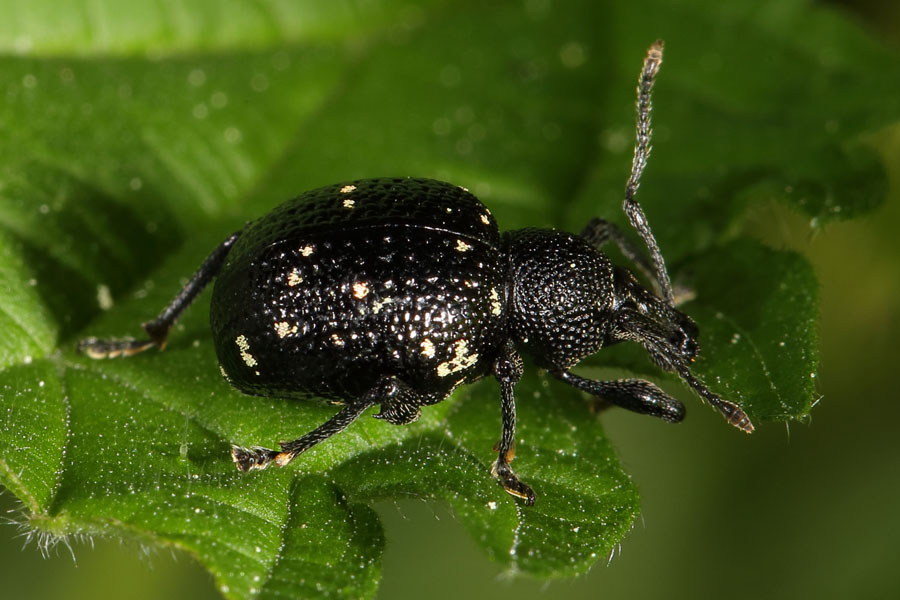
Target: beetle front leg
point(673, 350)
point(634, 394)
point(598, 232)
point(508, 371)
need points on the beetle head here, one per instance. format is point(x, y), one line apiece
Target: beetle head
point(669, 335)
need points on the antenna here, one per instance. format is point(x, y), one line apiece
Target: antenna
point(636, 216)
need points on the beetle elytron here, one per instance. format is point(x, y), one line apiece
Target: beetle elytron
point(396, 291)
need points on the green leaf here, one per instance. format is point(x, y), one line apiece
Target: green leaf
point(752, 341)
point(134, 141)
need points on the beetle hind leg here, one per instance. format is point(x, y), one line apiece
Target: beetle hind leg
point(158, 328)
point(249, 459)
point(399, 405)
point(97, 348)
point(257, 457)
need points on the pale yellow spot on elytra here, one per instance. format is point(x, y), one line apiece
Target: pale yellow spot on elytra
point(461, 359)
point(496, 307)
point(360, 290)
point(284, 329)
point(348, 188)
point(348, 203)
point(461, 246)
point(485, 220)
point(379, 304)
point(336, 340)
point(428, 348)
point(294, 278)
point(244, 347)
point(306, 250)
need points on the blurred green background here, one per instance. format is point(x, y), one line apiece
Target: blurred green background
point(811, 511)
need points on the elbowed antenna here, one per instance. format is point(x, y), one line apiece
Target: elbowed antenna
point(731, 411)
point(644, 106)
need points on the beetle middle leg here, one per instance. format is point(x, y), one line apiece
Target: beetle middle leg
point(158, 328)
point(399, 405)
point(508, 371)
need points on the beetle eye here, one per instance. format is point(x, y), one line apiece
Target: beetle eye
point(685, 343)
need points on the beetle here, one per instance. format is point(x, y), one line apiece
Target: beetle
point(395, 291)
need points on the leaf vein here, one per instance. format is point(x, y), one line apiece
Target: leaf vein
point(131, 387)
point(762, 361)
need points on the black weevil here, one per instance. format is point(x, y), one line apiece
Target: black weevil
point(396, 291)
